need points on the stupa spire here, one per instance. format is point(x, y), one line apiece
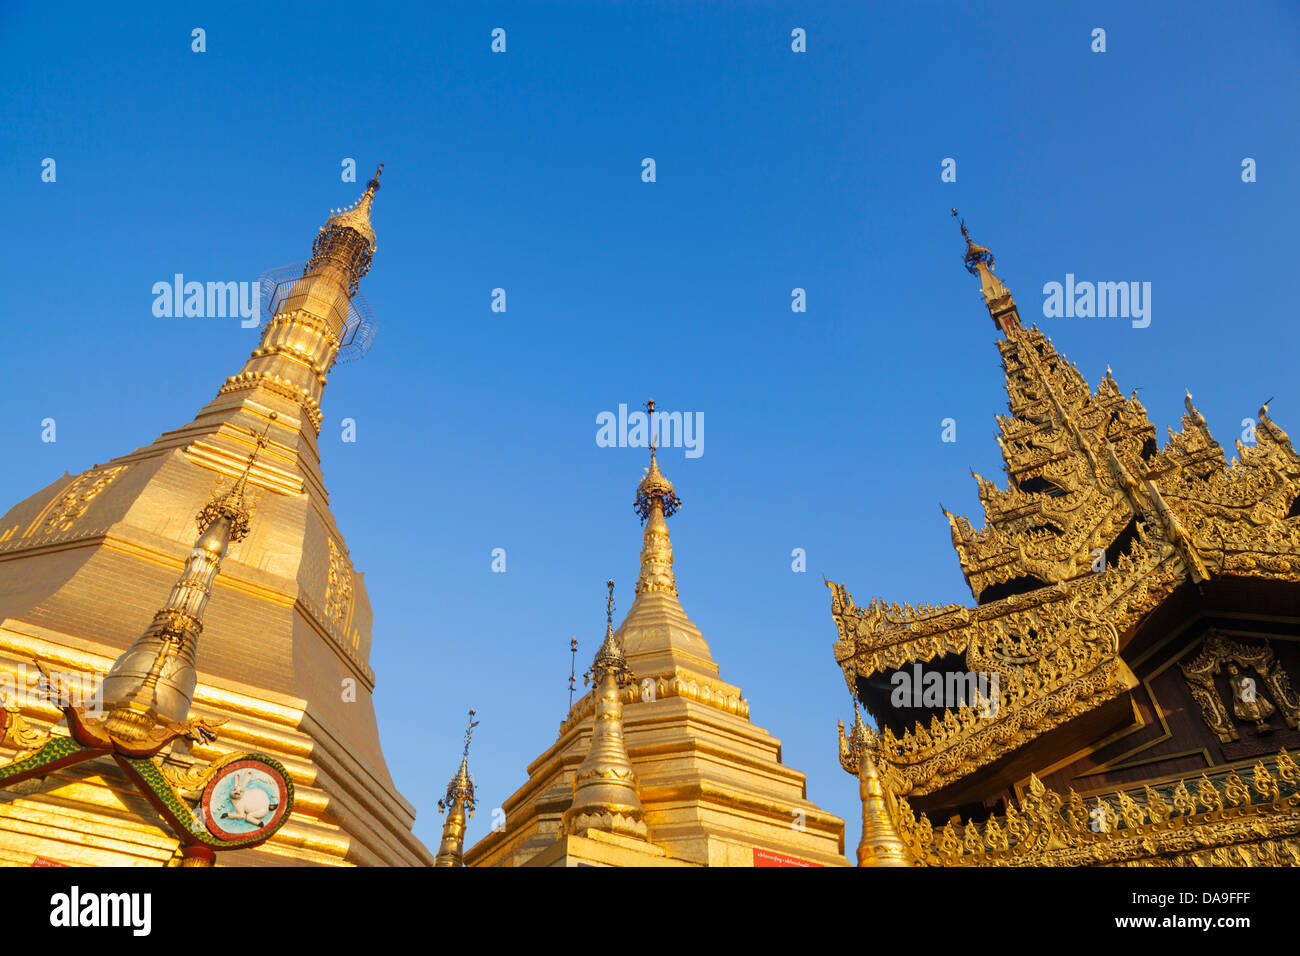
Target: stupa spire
point(655, 501)
point(604, 788)
point(997, 297)
point(301, 341)
point(153, 681)
point(458, 803)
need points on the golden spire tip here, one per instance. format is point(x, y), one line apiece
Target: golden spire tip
point(654, 487)
point(975, 253)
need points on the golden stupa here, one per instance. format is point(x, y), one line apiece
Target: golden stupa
point(659, 765)
point(279, 688)
point(1121, 692)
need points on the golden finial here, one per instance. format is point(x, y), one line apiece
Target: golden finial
point(231, 505)
point(458, 803)
point(979, 262)
point(859, 741)
point(655, 501)
point(961, 222)
point(357, 216)
point(573, 667)
point(861, 735)
point(461, 786)
point(974, 253)
point(609, 656)
point(469, 732)
point(654, 487)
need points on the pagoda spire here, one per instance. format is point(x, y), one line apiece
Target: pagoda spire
point(655, 501)
point(301, 341)
point(604, 788)
point(458, 803)
point(153, 681)
point(997, 297)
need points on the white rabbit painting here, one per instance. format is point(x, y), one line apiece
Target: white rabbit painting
point(251, 804)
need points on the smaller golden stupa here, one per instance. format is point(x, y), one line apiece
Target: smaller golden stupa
point(659, 765)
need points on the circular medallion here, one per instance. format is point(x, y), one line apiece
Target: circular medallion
point(246, 800)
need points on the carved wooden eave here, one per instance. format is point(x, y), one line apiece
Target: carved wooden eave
point(1247, 816)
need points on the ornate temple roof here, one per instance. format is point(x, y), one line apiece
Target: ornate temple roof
point(1096, 525)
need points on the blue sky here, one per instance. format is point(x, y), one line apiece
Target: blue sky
point(775, 170)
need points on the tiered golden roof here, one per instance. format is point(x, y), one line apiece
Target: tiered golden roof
point(1097, 527)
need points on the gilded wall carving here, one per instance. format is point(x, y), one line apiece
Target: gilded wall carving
point(65, 510)
point(338, 590)
point(1250, 702)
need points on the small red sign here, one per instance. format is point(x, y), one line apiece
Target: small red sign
point(43, 861)
point(768, 858)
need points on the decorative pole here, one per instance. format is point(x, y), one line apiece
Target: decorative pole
point(573, 667)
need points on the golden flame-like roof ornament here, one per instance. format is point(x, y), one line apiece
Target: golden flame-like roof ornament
point(857, 742)
point(458, 803)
